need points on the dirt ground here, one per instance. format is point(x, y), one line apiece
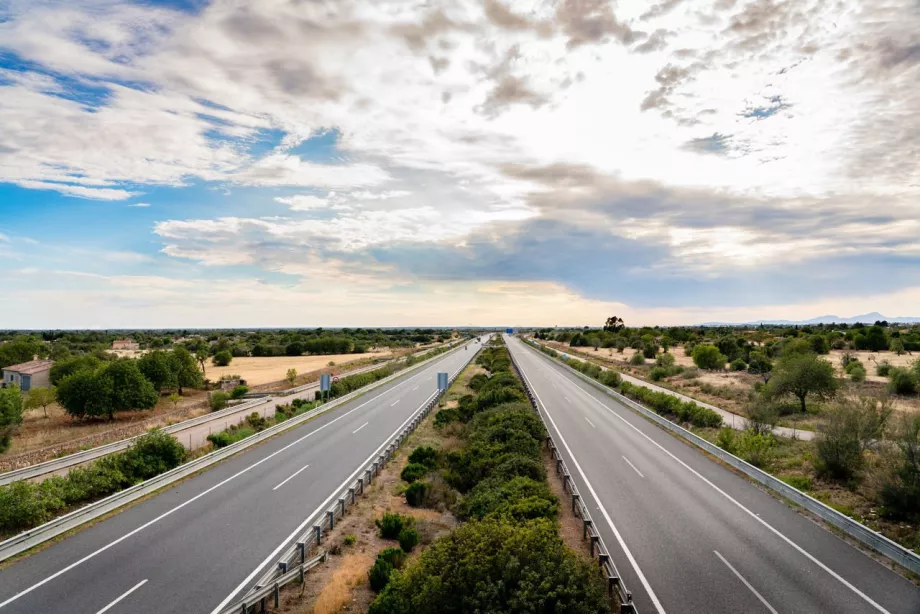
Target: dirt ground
point(38, 432)
point(870, 360)
point(262, 370)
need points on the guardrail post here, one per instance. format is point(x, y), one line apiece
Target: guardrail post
point(302, 574)
point(584, 534)
point(318, 529)
point(282, 567)
point(558, 465)
point(342, 505)
point(331, 515)
point(262, 605)
point(575, 498)
point(361, 485)
point(277, 592)
point(302, 549)
point(565, 481)
point(594, 540)
point(351, 492)
point(602, 558)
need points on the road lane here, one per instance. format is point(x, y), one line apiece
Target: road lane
point(684, 508)
point(196, 542)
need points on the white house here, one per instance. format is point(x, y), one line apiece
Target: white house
point(27, 375)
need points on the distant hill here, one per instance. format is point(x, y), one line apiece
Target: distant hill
point(866, 318)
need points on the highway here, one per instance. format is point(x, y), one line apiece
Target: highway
point(688, 535)
point(196, 545)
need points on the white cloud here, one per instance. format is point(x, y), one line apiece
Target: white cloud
point(139, 205)
point(288, 170)
point(304, 202)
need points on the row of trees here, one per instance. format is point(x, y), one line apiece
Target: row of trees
point(87, 386)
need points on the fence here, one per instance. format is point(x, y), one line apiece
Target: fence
point(878, 542)
point(589, 530)
point(293, 563)
point(33, 537)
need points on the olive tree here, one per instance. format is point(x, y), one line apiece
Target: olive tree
point(801, 375)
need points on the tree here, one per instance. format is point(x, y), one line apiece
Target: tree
point(130, 389)
point(186, 367)
point(117, 386)
point(201, 355)
point(10, 414)
point(159, 370)
point(222, 358)
point(876, 340)
point(294, 349)
point(762, 415)
point(801, 375)
point(40, 397)
point(62, 369)
point(21, 349)
point(852, 425)
point(291, 376)
point(760, 365)
point(614, 324)
point(707, 356)
point(174, 398)
point(896, 346)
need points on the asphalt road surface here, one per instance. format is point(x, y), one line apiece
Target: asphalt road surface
point(686, 534)
point(196, 545)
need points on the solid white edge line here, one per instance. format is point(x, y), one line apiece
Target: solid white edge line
point(322, 506)
point(801, 550)
point(600, 505)
point(114, 603)
point(195, 498)
point(589, 422)
point(634, 467)
point(292, 476)
point(359, 428)
point(746, 583)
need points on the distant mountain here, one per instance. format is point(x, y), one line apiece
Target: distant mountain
point(866, 318)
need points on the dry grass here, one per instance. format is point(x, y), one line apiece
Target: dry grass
point(263, 370)
point(38, 432)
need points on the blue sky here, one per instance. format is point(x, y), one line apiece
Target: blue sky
point(197, 163)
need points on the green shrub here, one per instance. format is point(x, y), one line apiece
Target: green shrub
point(391, 524)
point(801, 482)
point(902, 381)
point(520, 498)
point(413, 472)
point(665, 360)
point(239, 392)
point(496, 566)
point(218, 400)
point(256, 422)
point(220, 440)
point(408, 539)
point(349, 540)
point(379, 575)
point(416, 494)
point(726, 439)
point(657, 374)
point(477, 381)
point(708, 357)
point(610, 378)
point(446, 416)
point(851, 364)
point(637, 359)
point(883, 368)
point(222, 358)
point(424, 455)
point(514, 465)
point(858, 374)
point(152, 454)
point(900, 492)
point(757, 449)
point(738, 365)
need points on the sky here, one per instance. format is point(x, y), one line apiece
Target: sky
point(465, 162)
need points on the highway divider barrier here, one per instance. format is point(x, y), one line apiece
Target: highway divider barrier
point(876, 541)
point(294, 562)
point(589, 529)
point(33, 537)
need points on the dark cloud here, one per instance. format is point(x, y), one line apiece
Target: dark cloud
point(510, 91)
point(418, 35)
point(501, 16)
point(593, 21)
point(656, 42)
point(716, 144)
point(660, 9)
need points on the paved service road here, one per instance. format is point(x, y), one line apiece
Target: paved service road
point(686, 534)
point(208, 538)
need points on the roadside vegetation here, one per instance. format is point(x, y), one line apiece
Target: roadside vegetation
point(24, 504)
point(864, 460)
point(507, 555)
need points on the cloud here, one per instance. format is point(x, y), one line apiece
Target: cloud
point(139, 205)
point(288, 170)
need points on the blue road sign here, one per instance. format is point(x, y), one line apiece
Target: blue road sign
point(325, 382)
point(509, 330)
point(442, 381)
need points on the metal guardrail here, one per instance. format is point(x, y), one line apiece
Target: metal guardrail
point(33, 537)
point(78, 458)
point(895, 552)
point(589, 529)
point(288, 567)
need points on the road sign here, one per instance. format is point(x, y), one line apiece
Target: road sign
point(565, 357)
point(325, 382)
point(442, 381)
point(509, 330)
